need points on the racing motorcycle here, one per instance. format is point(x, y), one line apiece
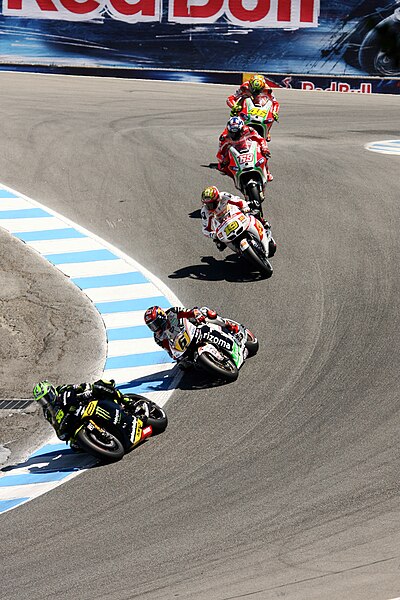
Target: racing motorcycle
point(107, 431)
point(246, 235)
point(258, 115)
point(248, 169)
point(211, 347)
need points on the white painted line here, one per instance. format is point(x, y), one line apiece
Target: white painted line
point(123, 292)
point(38, 224)
point(384, 147)
point(126, 347)
point(126, 374)
point(26, 491)
point(124, 319)
point(14, 204)
point(65, 245)
point(100, 267)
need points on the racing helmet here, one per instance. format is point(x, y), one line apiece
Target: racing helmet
point(256, 84)
point(210, 197)
point(235, 127)
point(156, 319)
point(44, 393)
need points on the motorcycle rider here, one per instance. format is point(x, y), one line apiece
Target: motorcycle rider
point(215, 206)
point(61, 403)
point(237, 134)
point(256, 88)
point(167, 325)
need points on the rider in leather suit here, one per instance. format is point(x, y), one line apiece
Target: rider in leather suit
point(215, 205)
point(256, 88)
point(237, 134)
point(167, 324)
point(60, 404)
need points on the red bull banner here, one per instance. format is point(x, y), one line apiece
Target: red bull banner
point(258, 13)
point(302, 39)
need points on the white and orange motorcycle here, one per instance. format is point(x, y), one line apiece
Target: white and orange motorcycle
point(244, 234)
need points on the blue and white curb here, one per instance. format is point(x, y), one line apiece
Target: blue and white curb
point(385, 147)
point(121, 290)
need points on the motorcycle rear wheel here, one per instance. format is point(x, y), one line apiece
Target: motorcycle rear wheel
point(227, 371)
point(157, 418)
point(252, 343)
point(103, 446)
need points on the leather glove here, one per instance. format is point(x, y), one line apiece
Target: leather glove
point(276, 116)
point(198, 316)
point(235, 109)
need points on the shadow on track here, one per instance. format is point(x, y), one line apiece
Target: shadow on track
point(56, 461)
point(192, 379)
point(232, 269)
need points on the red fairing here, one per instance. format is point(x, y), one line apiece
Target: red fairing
point(248, 134)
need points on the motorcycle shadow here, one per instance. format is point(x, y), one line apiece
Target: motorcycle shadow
point(57, 461)
point(156, 382)
point(195, 214)
point(192, 379)
point(232, 269)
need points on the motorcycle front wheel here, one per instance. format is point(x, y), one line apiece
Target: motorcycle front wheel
point(226, 370)
point(100, 443)
point(262, 263)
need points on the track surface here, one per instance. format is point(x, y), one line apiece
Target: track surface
point(284, 484)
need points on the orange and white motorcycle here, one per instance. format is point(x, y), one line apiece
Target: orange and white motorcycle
point(246, 235)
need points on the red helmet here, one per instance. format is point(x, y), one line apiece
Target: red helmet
point(156, 319)
point(210, 197)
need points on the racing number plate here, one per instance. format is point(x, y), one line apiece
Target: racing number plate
point(182, 341)
point(232, 226)
point(138, 432)
point(258, 112)
point(245, 158)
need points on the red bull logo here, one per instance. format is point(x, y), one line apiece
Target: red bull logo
point(338, 86)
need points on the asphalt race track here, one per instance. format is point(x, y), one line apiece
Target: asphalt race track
point(284, 484)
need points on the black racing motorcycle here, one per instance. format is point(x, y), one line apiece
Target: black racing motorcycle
point(107, 431)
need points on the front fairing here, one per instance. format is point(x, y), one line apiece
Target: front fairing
point(232, 227)
point(247, 163)
point(223, 343)
point(258, 114)
point(108, 414)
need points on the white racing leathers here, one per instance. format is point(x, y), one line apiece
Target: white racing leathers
point(210, 220)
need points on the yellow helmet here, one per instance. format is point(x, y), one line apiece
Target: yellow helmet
point(257, 83)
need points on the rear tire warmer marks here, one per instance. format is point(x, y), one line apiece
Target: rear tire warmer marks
point(121, 289)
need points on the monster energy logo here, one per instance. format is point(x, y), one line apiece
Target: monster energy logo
point(103, 413)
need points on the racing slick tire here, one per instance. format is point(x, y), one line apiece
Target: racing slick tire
point(263, 264)
point(227, 371)
point(101, 444)
point(252, 343)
